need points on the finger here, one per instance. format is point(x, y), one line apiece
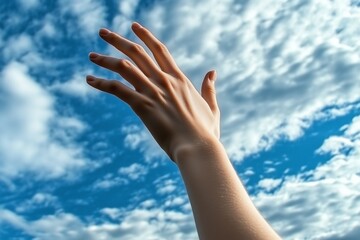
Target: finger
point(134, 99)
point(158, 49)
point(134, 51)
point(115, 88)
point(125, 68)
point(208, 91)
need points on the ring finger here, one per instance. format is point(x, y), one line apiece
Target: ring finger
point(125, 68)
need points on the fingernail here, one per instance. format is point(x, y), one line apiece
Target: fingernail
point(103, 32)
point(136, 25)
point(92, 55)
point(212, 75)
point(90, 78)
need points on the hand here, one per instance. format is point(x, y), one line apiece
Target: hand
point(163, 97)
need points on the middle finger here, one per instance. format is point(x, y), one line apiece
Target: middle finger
point(134, 51)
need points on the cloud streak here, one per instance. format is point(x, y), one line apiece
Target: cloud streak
point(28, 142)
point(279, 66)
point(322, 203)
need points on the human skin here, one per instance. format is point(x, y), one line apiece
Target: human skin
point(186, 125)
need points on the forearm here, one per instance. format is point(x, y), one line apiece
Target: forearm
point(221, 206)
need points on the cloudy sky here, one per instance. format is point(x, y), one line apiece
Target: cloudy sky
point(77, 164)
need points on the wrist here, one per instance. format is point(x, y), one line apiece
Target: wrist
point(202, 147)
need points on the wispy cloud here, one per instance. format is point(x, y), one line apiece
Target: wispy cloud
point(28, 143)
point(135, 171)
point(125, 16)
point(138, 137)
point(322, 203)
point(90, 15)
point(109, 181)
point(138, 223)
point(279, 64)
point(75, 86)
point(38, 200)
point(29, 4)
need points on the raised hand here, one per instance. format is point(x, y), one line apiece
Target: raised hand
point(163, 97)
point(186, 125)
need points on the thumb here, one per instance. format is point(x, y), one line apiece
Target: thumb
point(208, 91)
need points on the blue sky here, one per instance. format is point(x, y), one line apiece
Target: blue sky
point(77, 164)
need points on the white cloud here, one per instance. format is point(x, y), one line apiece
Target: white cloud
point(353, 130)
point(138, 137)
point(90, 14)
point(335, 145)
point(135, 171)
point(17, 46)
point(148, 203)
point(322, 203)
point(139, 223)
point(39, 200)
point(154, 223)
point(12, 218)
point(128, 7)
point(269, 184)
point(27, 143)
point(113, 213)
point(29, 4)
point(249, 172)
point(165, 186)
point(175, 201)
point(126, 12)
point(44, 198)
point(109, 181)
point(29, 49)
point(76, 86)
point(279, 64)
point(72, 123)
point(49, 29)
point(57, 227)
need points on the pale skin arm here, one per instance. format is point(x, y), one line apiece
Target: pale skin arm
point(185, 124)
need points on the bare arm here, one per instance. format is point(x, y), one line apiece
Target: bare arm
point(221, 206)
point(186, 126)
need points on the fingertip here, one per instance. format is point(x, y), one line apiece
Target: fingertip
point(90, 79)
point(135, 25)
point(103, 32)
point(93, 55)
point(212, 75)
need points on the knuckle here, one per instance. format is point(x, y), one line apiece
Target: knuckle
point(136, 48)
point(164, 81)
point(162, 78)
point(216, 111)
point(160, 47)
point(140, 104)
point(178, 75)
point(124, 63)
point(159, 95)
point(112, 86)
point(182, 80)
